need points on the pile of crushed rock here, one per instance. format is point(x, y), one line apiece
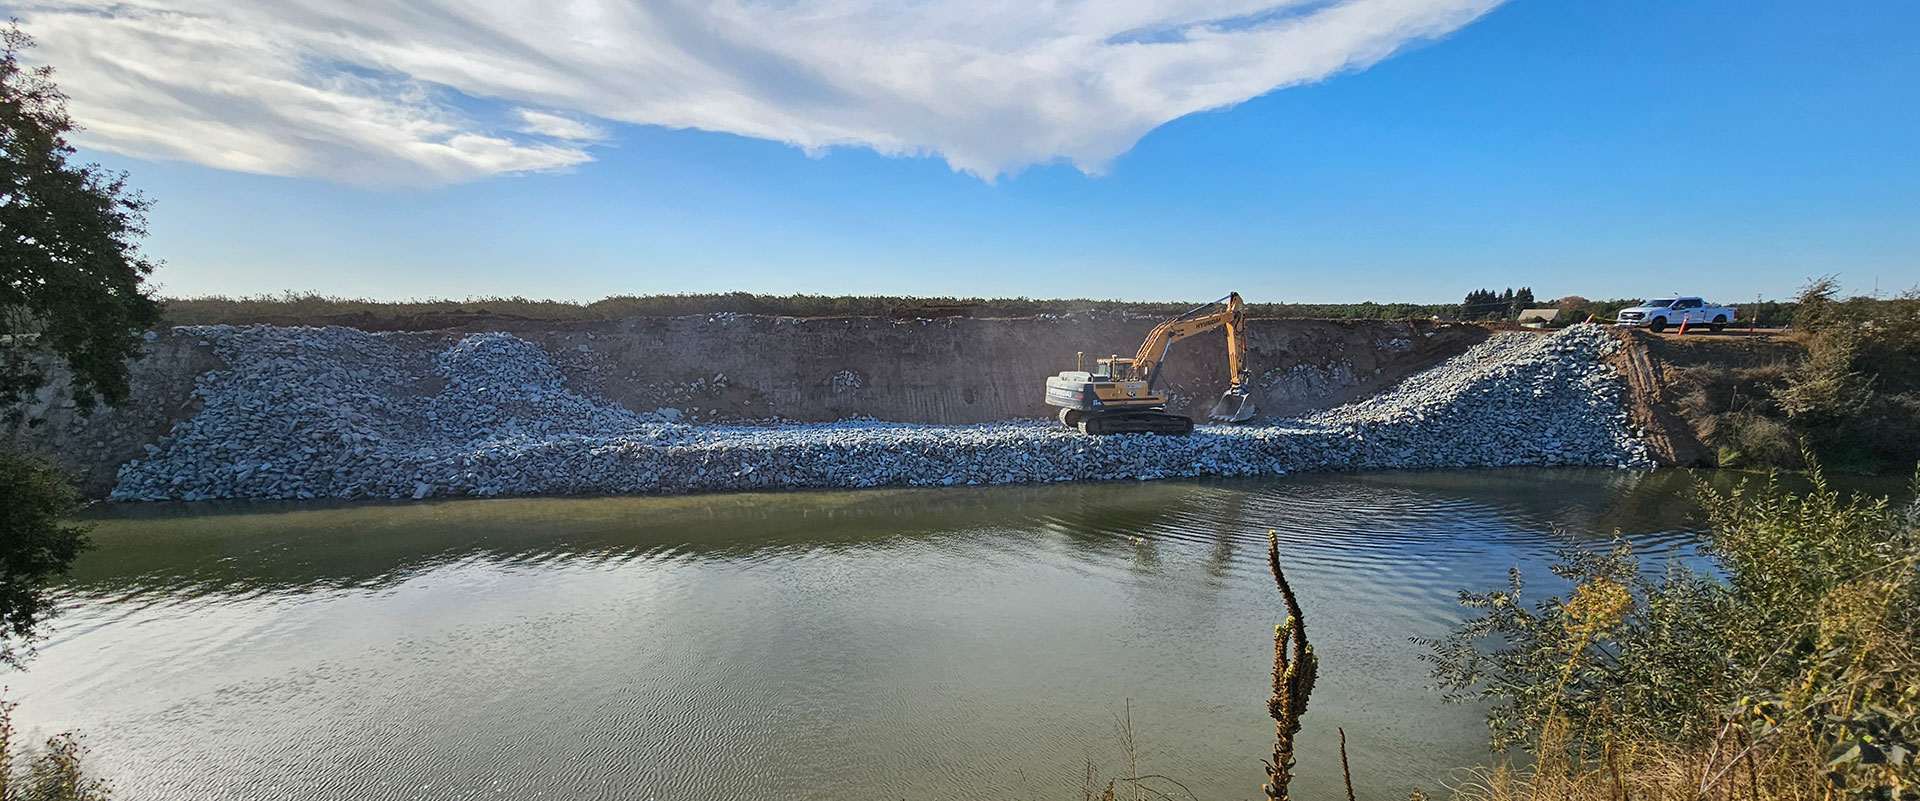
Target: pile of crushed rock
point(341, 413)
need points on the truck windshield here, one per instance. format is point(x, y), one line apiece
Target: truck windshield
point(1661, 303)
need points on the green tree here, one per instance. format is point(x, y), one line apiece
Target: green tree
point(1522, 301)
point(1481, 304)
point(71, 288)
point(71, 271)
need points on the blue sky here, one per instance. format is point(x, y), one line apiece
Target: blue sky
point(1605, 149)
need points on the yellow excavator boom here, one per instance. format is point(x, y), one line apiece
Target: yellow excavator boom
point(1232, 314)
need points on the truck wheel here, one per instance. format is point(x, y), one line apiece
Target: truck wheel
point(1719, 323)
point(1659, 324)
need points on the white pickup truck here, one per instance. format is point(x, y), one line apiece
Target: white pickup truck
point(1659, 313)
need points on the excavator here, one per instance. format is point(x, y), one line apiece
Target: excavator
point(1122, 396)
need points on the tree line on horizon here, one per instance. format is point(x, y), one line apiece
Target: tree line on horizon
point(308, 308)
point(293, 306)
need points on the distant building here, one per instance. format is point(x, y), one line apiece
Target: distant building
point(1538, 318)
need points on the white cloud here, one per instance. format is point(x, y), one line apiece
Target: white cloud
point(541, 123)
point(399, 91)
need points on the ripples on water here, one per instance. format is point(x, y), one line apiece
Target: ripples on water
point(968, 643)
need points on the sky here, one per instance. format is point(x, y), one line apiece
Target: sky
point(1317, 151)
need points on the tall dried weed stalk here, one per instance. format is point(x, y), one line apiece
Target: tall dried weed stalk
point(1294, 668)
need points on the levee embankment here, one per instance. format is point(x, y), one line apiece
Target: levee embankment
point(728, 368)
point(730, 402)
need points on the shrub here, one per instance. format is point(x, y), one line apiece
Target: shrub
point(1825, 388)
point(1746, 439)
point(1801, 659)
point(1816, 309)
point(55, 774)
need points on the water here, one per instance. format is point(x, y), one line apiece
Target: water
point(918, 644)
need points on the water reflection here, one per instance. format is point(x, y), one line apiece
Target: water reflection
point(954, 643)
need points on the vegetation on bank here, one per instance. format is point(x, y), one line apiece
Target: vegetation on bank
point(51, 773)
point(310, 306)
point(1480, 304)
point(71, 271)
point(1790, 671)
point(294, 307)
point(1853, 400)
point(35, 547)
point(72, 281)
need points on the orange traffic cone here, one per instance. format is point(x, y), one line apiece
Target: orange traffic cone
point(1683, 327)
point(1589, 318)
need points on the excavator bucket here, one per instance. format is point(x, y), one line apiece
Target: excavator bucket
point(1234, 407)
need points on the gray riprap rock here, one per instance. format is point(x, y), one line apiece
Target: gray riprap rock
point(340, 413)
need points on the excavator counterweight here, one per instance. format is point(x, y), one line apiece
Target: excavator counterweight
point(1122, 396)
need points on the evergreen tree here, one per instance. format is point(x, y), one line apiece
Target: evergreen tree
point(1480, 304)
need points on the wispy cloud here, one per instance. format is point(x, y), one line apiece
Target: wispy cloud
point(556, 126)
point(434, 91)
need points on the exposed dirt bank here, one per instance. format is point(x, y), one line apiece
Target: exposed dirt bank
point(1674, 426)
point(961, 370)
point(728, 367)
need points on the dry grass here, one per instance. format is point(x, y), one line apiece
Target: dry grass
point(1732, 767)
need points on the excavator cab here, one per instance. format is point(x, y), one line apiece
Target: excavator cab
point(1109, 369)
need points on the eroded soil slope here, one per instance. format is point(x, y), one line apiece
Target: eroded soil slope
point(963, 370)
point(1673, 419)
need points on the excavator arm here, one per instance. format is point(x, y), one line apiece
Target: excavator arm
point(1231, 313)
point(1235, 405)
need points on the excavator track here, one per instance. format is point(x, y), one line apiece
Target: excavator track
point(1142, 422)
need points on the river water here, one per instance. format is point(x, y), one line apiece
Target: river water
point(887, 644)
